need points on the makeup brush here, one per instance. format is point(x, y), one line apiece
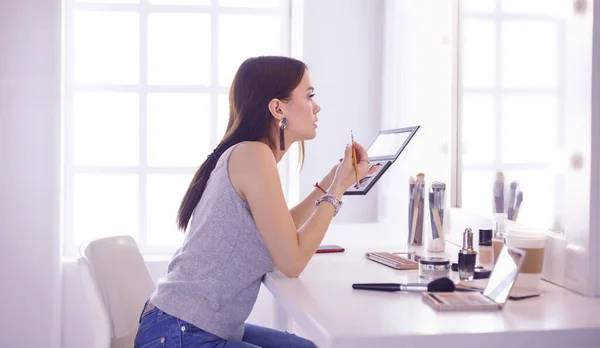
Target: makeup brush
point(415, 208)
point(518, 205)
point(499, 193)
point(434, 231)
point(421, 198)
point(511, 202)
point(438, 285)
point(441, 187)
point(411, 192)
point(437, 209)
point(421, 208)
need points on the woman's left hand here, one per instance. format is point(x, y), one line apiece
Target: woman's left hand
point(328, 179)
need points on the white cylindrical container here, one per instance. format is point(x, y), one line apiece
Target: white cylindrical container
point(533, 243)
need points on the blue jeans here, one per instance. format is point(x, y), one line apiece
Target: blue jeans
point(158, 329)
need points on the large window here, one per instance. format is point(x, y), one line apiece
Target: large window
point(146, 100)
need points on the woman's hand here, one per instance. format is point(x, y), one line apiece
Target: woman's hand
point(345, 175)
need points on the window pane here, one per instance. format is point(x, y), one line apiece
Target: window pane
point(178, 129)
point(105, 205)
point(223, 115)
point(106, 47)
point(181, 2)
point(477, 191)
point(179, 48)
point(546, 7)
point(250, 3)
point(478, 6)
point(524, 117)
point(165, 192)
point(244, 36)
point(529, 54)
point(110, 1)
point(106, 129)
point(478, 129)
point(539, 194)
point(479, 59)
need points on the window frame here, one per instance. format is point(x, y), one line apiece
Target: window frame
point(142, 89)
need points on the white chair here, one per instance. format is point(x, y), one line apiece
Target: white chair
point(122, 281)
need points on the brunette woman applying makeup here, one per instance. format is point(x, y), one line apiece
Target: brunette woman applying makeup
point(237, 224)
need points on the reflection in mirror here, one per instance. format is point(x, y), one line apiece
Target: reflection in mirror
point(512, 114)
point(504, 275)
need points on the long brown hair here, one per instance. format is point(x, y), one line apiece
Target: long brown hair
point(257, 81)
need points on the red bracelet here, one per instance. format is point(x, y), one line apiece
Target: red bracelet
point(316, 185)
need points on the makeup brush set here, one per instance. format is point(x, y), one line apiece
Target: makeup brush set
point(507, 199)
point(416, 212)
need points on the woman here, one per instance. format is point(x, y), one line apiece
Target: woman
point(238, 226)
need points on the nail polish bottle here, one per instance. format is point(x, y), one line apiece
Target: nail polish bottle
point(467, 257)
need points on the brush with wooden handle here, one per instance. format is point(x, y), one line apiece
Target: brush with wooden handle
point(518, 205)
point(421, 209)
point(419, 236)
point(418, 192)
point(437, 209)
point(416, 207)
point(415, 214)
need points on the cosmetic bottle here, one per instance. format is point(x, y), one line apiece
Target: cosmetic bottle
point(499, 223)
point(467, 257)
point(485, 248)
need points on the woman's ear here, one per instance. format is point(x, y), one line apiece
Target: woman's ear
point(275, 108)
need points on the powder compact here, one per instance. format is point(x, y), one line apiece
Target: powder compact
point(434, 267)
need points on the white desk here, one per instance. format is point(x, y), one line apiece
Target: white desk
point(324, 305)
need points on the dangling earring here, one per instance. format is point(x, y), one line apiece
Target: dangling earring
point(282, 124)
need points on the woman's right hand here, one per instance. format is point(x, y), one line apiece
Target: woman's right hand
point(345, 175)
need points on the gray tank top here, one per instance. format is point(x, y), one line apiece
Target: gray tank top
point(213, 279)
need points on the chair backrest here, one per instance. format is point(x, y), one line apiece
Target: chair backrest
point(100, 333)
point(123, 281)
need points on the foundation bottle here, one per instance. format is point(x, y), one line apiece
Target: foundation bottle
point(486, 256)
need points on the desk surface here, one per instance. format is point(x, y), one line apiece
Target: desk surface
point(322, 302)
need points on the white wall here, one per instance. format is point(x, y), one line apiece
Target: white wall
point(595, 167)
point(343, 49)
point(29, 173)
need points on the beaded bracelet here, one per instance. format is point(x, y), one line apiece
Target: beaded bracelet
point(316, 185)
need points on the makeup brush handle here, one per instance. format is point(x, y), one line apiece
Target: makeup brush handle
point(515, 214)
point(377, 286)
point(413, 287)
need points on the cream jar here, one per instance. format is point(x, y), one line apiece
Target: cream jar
point(434, 267)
